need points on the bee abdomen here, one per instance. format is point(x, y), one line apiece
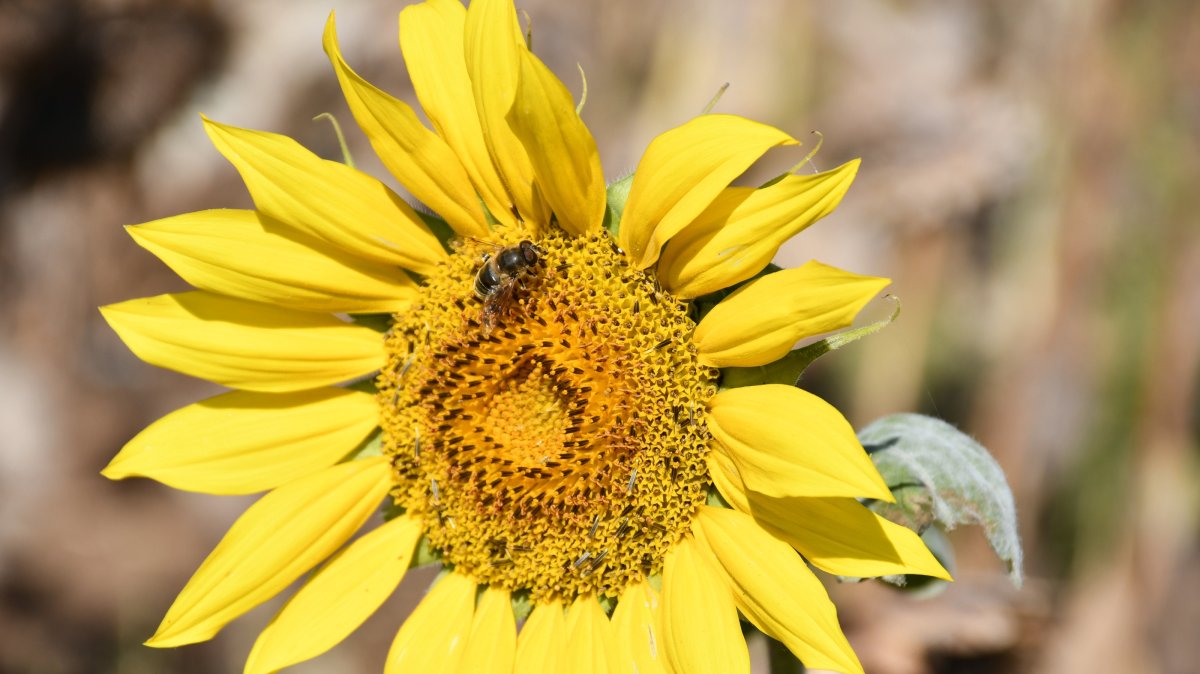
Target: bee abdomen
point(486, 281)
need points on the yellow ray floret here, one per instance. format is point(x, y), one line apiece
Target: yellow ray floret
point(682, 172)
point(342, 594)
point(838, 535)
point(562, 150)
point(742, 229)
point(763, 320)
point(431, 38)
point(774, 589)
point(589, 638)
point(700, 622)
point(243, 344)
point(637, 629)
point(492, 646)
point(418, 157)
point(331, 201)
point(247, 255)
point(286, 533)
point(435, 635)
point(493, 44)
point(244, 442)
point(788, 442)
point(541, 644)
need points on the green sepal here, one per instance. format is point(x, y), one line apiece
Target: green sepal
point(617, 194)
point(791, 367)
point(372, 446)
point(377, 322)
point(704, 304)
point(715, 499)
point(444, 233)
point(337, 130)
point(939, 475)
point(426, 554)
point(522, 605)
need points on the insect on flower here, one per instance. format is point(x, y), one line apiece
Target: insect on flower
point(502, 271)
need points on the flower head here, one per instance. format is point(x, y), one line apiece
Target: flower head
point(541, 409)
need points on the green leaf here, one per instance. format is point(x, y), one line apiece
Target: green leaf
point(939, 474)
point(791, 367)
point(618, 194)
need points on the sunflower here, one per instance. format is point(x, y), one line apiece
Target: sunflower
point(530, 382)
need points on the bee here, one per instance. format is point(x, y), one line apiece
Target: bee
point(501, 273)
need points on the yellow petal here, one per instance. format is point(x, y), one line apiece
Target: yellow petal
point(700, 622)
point(331, 201)
point(541, 645)
point(344, 593)
point(761, 321)
point(637, 629)
point(434, 636)
point(492, 45)
point(493, 644)
point(431, 37)
point(244, 254)
point(273, 543)
point(838, 535)
point(740, 232)
point(728, 480)
point(775, 590)
point(559, 145)
point(788, 442)
point(418, 157)
point(243, 442)
point(243, 344)
point(589, 637)
point(682, 172)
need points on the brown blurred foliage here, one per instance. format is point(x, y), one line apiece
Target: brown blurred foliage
point(1030, 182)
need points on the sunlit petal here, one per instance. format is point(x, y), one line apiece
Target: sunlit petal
point(343, 594)
point(246, 255)
point(682, 172)
point(244, 442)
point(431, 37)
point(740, 232)
point(243, 344)
point(589, 638)
point(284, 534)
point(434, 637)
point(775, 590)
point(837, 534)
point(637, 629)
point(541, 645)
point(418, 157)
point(492, 45)
point(787, 442)
point(761, 321)
point(559, 145)
point(493, 643)
point(700, 622)
point(331, 201)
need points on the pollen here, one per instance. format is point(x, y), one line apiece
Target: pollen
point(561, 449)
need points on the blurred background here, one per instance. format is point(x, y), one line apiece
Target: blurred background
point(1030, 180)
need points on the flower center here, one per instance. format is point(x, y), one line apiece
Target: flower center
point(546, 419)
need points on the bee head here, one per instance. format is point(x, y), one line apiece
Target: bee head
point(529, 251)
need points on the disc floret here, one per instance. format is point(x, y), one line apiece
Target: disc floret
point(560, 450)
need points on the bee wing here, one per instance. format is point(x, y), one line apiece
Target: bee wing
point(462, 241)
point(498, 303)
